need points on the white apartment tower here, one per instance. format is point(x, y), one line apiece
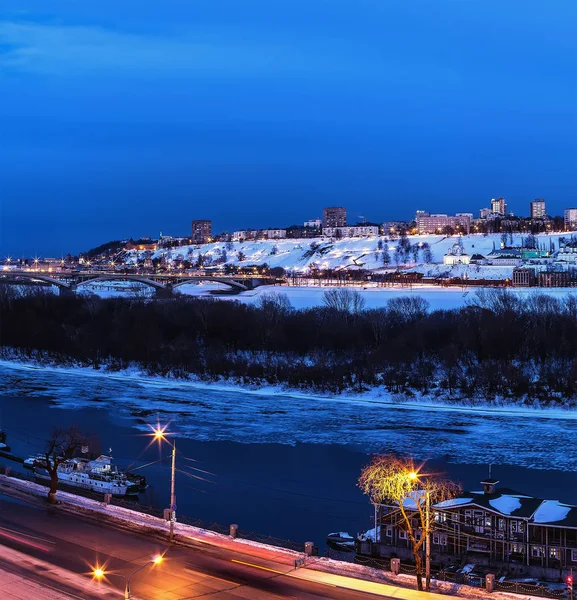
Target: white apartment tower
point(570, 219)
point(538, 210)
point(499, 206)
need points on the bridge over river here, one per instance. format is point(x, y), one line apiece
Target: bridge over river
point(68, 282)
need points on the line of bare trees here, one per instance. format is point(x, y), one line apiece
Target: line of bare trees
point(496, 347)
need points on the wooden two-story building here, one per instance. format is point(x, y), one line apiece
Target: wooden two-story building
point(501, 528)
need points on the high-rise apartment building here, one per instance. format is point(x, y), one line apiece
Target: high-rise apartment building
point(570, 219)
point(437, 223)
point(484, 213)
point(201, 231)
point(499, 206)
point(538, 210)
point(334, 216)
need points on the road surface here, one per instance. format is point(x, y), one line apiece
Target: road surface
point(58, 551)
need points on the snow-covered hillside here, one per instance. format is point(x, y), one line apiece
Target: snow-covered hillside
point(350, 253)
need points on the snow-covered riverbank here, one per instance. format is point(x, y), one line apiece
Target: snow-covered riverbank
point(373, 397)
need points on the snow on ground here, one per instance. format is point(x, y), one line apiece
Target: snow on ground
point(202, 288)
point(116, 289)
point(302, 297)
point(351, 253)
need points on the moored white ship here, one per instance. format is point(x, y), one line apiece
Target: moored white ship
point(84, 474)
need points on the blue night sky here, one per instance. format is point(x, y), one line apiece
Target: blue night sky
point(126, 118)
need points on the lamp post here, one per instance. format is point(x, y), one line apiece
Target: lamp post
point(428, 541)
point(99, 573)
point(161, 437)
point(413, 475)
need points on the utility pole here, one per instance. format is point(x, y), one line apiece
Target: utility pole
point(172, 495)
point(428, 542)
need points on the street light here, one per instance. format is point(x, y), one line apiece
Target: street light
point(413, 476)
point(100, 573)
point(160, 436)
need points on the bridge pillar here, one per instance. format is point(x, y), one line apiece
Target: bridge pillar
point(164, 292)
point(67, 291)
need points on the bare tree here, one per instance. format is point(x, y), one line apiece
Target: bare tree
point(274, 302)
point(498, 300)
point(62, 445)
point(396, 483)
point(344, 300)
point(408, 308)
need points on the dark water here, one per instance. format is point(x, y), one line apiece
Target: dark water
point(299, 492)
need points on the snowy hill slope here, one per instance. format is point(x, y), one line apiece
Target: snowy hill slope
point(349, 253)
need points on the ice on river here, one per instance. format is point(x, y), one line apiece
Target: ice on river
point(537, 439)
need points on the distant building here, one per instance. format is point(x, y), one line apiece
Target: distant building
point(201, 231)
point(314, 223)
point(506, 257)
point(351, 231)
point(298, 231)
point(147, 244)
point(456, 255)
point(259, 234)
point(567, 253)
point(554, 279)
point(523, 277)
point(395, 227)
point(499, 206)
point(538, 210)
point(484, 213)
point(334, 216)
point(478, 259)
point(274, 234)
point(437, 223)
point(570, 219)
point(245, 234)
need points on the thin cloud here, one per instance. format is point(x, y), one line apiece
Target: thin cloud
point(61, 49)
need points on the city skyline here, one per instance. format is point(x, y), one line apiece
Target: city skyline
point(259, 112)
point(349, 220)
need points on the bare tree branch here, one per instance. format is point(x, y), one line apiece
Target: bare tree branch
point(393, 481)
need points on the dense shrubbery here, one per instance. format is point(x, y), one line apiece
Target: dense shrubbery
point(498, 346)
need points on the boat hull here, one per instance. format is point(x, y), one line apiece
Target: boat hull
point(88, 485)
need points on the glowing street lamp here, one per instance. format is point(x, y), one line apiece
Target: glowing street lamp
point(160, 436)
point(413, 476)
point(100, 573)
